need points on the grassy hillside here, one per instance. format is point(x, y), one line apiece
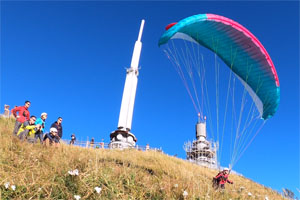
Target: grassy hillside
point(40, 172)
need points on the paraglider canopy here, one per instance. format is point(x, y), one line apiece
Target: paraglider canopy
point(252, 63)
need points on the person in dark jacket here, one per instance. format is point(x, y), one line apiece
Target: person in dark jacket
point(92, 142)
point(58, 127)
point(22, 116)
point(222, 178)
point(73, 139)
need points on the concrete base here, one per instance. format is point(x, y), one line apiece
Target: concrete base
point(120, 139)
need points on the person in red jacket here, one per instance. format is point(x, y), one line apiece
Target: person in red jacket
point(221, 179)
point(22, 116)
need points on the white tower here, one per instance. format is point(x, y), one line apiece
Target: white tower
point(122, 138)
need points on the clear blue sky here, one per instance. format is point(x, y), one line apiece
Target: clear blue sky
point(69, 60)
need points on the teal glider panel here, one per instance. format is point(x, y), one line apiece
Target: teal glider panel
point(249, 63)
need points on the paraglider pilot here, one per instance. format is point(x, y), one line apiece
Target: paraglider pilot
point(220, 180)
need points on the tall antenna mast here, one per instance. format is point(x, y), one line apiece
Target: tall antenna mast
point(126, 112)
point(122, 136)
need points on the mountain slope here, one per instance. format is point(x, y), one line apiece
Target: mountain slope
point(40, 172)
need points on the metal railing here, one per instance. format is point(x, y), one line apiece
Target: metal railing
point(103, 145)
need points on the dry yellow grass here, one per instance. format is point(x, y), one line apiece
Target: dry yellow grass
point(39, 172)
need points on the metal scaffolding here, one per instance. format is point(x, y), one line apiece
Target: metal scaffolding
point(201, 151)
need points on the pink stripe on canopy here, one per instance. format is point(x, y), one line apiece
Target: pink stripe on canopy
point(248, 34)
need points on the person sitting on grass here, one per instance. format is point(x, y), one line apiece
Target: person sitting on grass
point(52, 138)
point(28, 129)
point(220, 180)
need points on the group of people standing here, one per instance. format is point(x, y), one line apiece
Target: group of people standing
point(32, 129)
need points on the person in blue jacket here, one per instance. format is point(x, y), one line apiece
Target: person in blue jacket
point(40, 132)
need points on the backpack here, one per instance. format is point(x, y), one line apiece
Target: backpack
point(216, 181)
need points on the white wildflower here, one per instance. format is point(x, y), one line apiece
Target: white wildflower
point(98, 189)
point(176, 185)
point(13, 187)
point(71, 173)
point(185, 193)
point(249, 194)
point(266, 198)
point(74, 172)
point(40, 189)
point(6, 185)
point(77, 197)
